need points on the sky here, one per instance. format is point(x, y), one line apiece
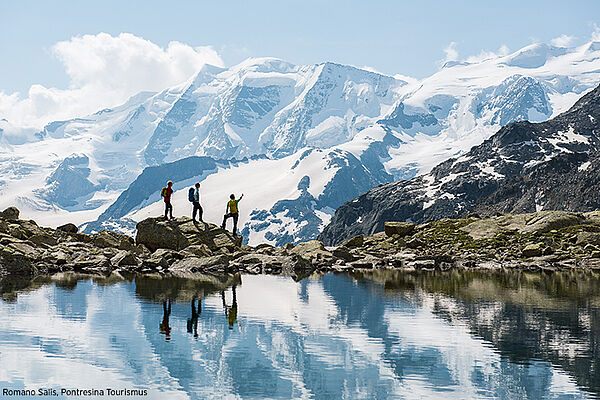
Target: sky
point(62, 58)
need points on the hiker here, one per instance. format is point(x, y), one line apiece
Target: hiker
point(232, 212)
point(166, 193)
point(194, 197)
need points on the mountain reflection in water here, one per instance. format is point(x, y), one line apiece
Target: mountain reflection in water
point(382, 334)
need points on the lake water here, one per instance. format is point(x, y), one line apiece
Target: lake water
point(376, 335)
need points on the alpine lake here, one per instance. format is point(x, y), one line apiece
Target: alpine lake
point(378, 334)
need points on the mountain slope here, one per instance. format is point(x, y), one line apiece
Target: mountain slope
point(524, 167)
point(285, 200)
point(384, 129)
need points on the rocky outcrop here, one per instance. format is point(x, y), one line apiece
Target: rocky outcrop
point(543, 240)
point(156, 233)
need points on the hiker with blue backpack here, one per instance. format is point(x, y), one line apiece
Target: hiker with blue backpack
point(194, 198)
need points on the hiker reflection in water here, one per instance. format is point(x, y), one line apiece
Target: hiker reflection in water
point(192, 323)
point(164, 327)
point(230, 311)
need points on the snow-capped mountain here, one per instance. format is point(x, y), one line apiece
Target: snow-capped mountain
point(371, 128)
point(524, 167)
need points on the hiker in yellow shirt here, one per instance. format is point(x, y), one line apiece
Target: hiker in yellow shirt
point(232, 212)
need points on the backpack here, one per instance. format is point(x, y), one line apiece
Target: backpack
point(163, 192)
point(191, 195)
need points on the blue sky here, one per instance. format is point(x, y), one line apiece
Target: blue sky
point(404, 37)
point(69, 58)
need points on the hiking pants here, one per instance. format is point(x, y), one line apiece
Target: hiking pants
point(168, 209)
point(235, 220)
point(197, 208)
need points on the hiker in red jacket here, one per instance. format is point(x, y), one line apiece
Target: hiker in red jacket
point(166, 193)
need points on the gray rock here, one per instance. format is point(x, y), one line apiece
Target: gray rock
point(205, 264)
point(156, 233)
point(311, 250)
point(114, 240)
point(584, 238)
point(11, 213)
point(198, 250)
point(69, 228)
point(343, 253)
point(164, 257)
point(88, 261)
point(356, 241)
point(533, 250)
point(401, 229)
point(123, 258)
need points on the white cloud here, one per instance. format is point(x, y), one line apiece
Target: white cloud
point(451, 52)
point(486, 54)
point(596, 33)
point(104, 71)
point(562, 41)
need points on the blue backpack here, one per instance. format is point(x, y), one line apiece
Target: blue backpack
point(191, 195)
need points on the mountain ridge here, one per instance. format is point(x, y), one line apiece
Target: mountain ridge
point(519, 169)
point(396, 128)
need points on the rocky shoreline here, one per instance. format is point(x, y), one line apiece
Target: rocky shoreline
point(541, 241)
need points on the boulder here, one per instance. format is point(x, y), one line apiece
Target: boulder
point(86, 261)
point(311, 250)
point(539, 222)
point(198, 250)
point(162, 258)
point(123, 258)
point(398, 228)
point(205, 264)
point(297, 267)
point(415, 243)
point(43, 240)
point(533, 250)
point(68, 228)
point(356, 241)
point(263, 261)
point(14, 261)
point(584, 238)
point(57, 257)
point(155, 233)
point(11, 213)
point(545, 221)
point(113, 239)
point(27, 249)
point(342, 252)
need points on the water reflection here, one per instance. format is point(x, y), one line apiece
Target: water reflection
point(192, 323)
point(375, 335)
point(230, 311)
point(164, 327)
